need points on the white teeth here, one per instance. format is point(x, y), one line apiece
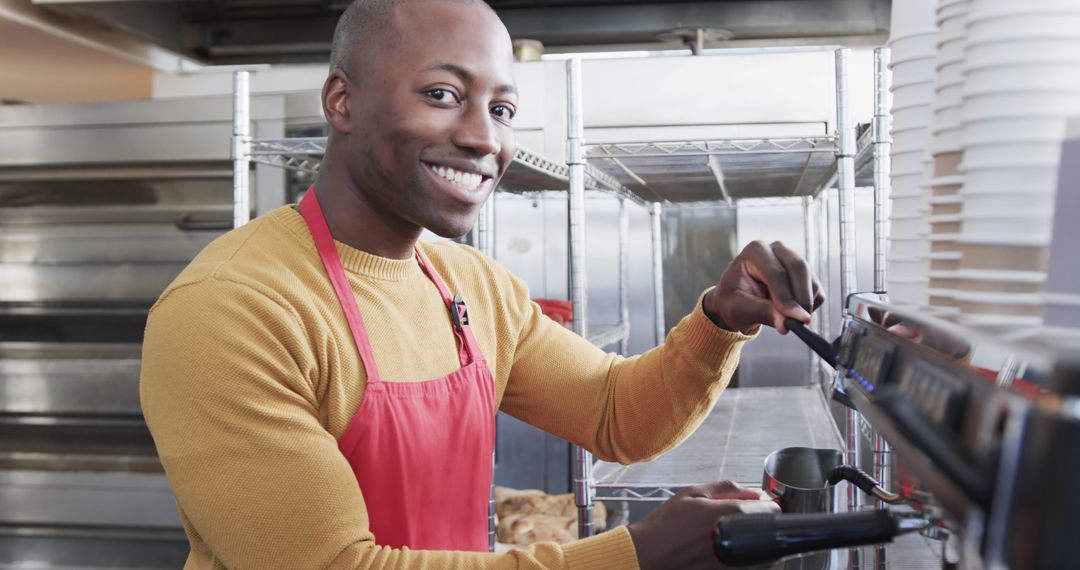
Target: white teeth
point(467, 180)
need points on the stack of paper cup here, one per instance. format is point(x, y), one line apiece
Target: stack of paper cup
point(914, 47)
point(1021, 83)
point(943, 181)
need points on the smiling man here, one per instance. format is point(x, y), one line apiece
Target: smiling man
point(322, 386)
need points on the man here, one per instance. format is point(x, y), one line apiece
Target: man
point(282, 369)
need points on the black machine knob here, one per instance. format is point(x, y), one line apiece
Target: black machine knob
point(742, 540)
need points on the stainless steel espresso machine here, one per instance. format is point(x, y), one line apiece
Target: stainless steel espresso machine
point(985, 435)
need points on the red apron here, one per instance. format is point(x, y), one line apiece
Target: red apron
point(421, 451)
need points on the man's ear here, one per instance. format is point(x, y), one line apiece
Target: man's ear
point(336, 102)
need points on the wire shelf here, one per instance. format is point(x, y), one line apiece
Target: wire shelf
point(721, 169)
point(732, 443)
point(605, 335)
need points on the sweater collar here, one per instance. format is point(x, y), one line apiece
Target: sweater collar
point(352, 259)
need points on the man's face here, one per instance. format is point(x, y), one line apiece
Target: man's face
point(431, 116)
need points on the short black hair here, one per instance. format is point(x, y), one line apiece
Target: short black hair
point(362, 21)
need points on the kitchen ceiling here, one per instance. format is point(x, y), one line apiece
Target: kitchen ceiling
point(281, 31)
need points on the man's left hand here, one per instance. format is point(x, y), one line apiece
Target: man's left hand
point(764, 284)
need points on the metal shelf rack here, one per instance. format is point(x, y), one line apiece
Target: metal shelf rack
point(730, 170)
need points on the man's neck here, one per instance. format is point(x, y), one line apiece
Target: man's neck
point(355, 221)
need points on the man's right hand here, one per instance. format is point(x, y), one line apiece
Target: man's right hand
point(678, 534)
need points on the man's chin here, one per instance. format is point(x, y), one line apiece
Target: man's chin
point(451, 231)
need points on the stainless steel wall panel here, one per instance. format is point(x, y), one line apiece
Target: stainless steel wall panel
point(61, 498)
point(92, 385)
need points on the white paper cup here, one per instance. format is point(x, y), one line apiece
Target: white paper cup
point(914, 71)
point(1005, 232)
point(1008, 154)
point(980, 204)
point(950, 10)
point(906, 186)
point(901, 293)
point(908, 246)
point(907, 269)
point(981, 28)
point(948, 140)
point(912, 17)
point(911, 47)
point(947, 118)
point(912, 117)
point(918, 94)
point(909, 225)
point(997, 322)
point(1010, 8)
point(950, 95)
point(911, 140)
point(1010, 179)
point(1057, 104)
point(1014, 129)
point(910, 161)
point(1000, 281)
point(1021, 52)
point(1022, 77)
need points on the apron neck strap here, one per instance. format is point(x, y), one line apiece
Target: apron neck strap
point(324, 243)
point(459, 313)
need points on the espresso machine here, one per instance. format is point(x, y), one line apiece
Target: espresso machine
point(985, 436)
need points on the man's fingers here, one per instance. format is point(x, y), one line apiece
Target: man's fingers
point(819, 294)
point(731, 507)
point(768, 271)
point(723, 490)
point(799, 275)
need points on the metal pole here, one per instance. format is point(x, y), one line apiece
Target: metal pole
point(882, 166)
point(485, 228)
point(658, 273)
point(241, 148)
point(882, 189)
point(809, 243)
point(846, 168)
point(624, 275)
point(845, 159)
point(824, 261)
point(575, 160)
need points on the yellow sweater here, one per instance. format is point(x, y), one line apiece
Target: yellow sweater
point(249, 376)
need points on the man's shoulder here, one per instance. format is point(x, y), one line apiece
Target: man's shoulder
point(258, 255)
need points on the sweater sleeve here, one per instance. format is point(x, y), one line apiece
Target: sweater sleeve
point(623, 409)
point(230, 389)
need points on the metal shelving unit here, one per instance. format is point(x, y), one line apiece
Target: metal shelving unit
point(730, 170)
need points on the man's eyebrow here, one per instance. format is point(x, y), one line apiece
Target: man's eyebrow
point(466, 76)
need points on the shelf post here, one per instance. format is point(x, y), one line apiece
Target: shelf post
point(882, 188)
point(624, 275)
point(655, 213)
point(882, 166)
point(581, 459)
point(241, 148)
point(845, 166)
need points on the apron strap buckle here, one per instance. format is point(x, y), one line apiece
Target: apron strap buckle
point(459, 313)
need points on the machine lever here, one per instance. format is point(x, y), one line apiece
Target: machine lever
point(743, 540)
point(816, 342)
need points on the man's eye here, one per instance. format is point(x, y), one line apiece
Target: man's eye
point(442, 95)
point(503, 112)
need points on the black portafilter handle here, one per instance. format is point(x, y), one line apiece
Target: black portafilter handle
point(743, 540)
point(816, 342)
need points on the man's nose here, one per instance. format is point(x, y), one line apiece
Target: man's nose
point(477, 132)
